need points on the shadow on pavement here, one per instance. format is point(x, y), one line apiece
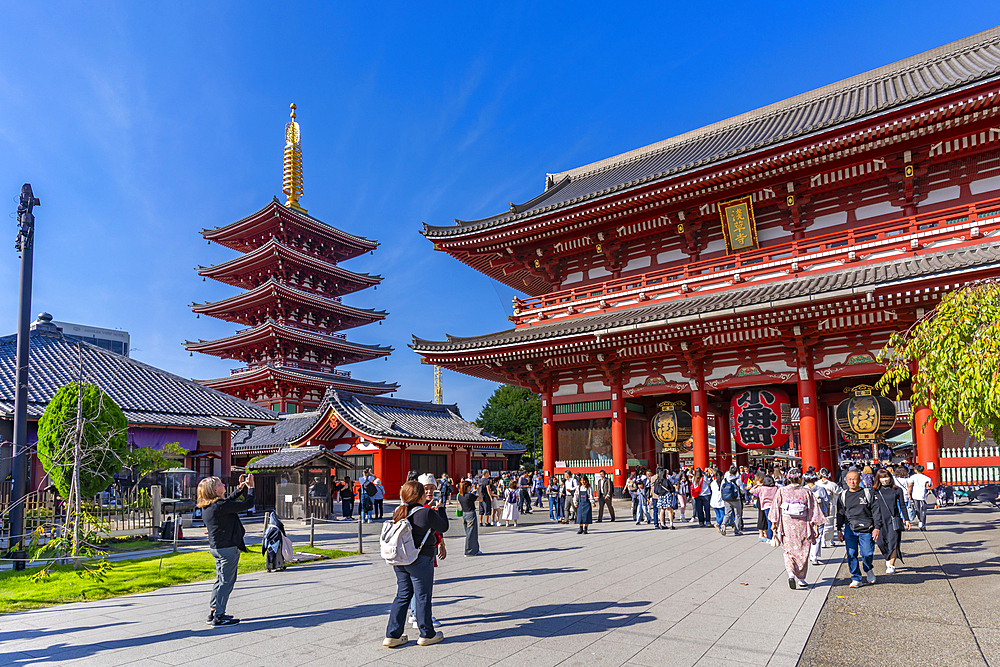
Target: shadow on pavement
point(534, 572)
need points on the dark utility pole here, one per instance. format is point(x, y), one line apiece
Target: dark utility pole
point(19, 465)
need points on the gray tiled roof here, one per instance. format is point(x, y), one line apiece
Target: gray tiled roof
point(746, 299)
point(147, 395)
point(315, 376)
point(288, 429)
point(396, 418)
point(293, 457)
point(962, 63)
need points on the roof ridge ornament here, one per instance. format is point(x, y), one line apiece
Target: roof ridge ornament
point(292, 176)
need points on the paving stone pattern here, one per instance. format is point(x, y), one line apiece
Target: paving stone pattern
point(542, 595)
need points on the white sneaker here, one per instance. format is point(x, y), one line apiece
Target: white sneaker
point(389, 642)
point(889, 569)
point(871, 576)
point(802, 584)
point(855, 584)
point(814, 562)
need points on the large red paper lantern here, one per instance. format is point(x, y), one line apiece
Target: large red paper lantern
point(761, 418)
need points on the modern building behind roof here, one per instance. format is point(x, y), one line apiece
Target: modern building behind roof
point(112, 340)
point(160, 406)
point(779, 248)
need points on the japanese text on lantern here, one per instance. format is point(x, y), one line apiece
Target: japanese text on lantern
point(762, 418)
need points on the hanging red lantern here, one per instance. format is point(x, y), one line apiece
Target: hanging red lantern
point(761, 418)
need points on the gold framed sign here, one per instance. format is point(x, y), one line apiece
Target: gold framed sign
point(738, 225)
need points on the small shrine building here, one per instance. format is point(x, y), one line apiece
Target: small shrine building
point(775, 251)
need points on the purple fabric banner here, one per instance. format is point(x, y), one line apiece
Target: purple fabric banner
point(157, 437)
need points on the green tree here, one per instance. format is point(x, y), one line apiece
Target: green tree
point(956, 350)
point(102, 431)
point(513, 413)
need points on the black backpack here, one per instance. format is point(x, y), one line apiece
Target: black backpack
point(370, 488)
point(730, 490)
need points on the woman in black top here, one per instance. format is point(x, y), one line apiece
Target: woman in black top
point(891, 501)
point(467, 503)
point(225, 538)
point(346, 492)
point(416, 580)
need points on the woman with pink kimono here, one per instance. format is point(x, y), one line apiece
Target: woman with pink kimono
point(796, 519)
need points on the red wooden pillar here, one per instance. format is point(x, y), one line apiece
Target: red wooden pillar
point(548, 436)
point(723, 442)
point(227, 454)
point(823, 425)
point(807, 417)
point(649, 448)
point(619, 451)
point(699, 420)
point(928, 442)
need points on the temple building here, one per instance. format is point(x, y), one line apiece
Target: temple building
point(293, 345)
point(747, 270)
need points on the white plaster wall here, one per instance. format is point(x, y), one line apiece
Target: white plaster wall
point(594, 387)
point(565, 390)
point(873, 210)
point(942, 194)
point(638, 263)
point(985, 185)
point(670, 257)
point(598, 272)
point(718, 245)
point(828, 220)
point(574, 277)
point(772, 233)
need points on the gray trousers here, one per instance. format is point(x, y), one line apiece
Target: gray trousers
point(734, 514)
point(471, 534)
point(569, 513)
point(227, 561)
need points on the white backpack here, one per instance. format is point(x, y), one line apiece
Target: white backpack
point(396, 541)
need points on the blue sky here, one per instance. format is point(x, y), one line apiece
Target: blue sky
point(139, 124)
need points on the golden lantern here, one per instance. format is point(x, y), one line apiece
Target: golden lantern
point(671, 427)
point(865, 417)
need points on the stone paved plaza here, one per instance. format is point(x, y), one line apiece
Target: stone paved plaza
point(545, 596)
point(542, 595)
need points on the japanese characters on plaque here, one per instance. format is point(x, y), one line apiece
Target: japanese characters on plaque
point(761, 418)
point(738, 225)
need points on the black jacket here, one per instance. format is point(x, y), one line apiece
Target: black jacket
point(223, 522)
point(423, 520)
point(858, 509)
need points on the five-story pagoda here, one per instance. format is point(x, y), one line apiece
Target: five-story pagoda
point(291, 306)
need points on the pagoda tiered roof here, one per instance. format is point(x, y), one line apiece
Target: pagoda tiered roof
point(264, 340)
point(293, 228)
point(271, 375)
point(274, 258)
point(276, 300)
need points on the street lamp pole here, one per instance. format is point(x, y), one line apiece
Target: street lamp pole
point(19, 468)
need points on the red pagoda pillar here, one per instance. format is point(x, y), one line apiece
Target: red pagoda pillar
point(699, 420)
point(548, 436)
point(928, 442)
point(723, 442)
point(227, 454)
point(807, 417)
point(619, 451)
point(649, 449)
point(823, 426)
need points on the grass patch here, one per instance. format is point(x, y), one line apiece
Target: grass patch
point(125, 578)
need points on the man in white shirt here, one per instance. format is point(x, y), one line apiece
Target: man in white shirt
point(571, 486)
point(918, 485)
point(833, 490)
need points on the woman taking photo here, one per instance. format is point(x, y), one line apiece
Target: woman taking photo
point(583, 501)
point(683, 493)
point(467, 503)
point(889, 501)
point(416, 580)
point(225, 538)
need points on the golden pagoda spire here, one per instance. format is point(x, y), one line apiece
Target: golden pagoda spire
point(292, 181)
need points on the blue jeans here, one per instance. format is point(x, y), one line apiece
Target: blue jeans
point(414, 581)
point(641, 510)
point(554, 508)
point(720, 515)
point(767, 517)
point(701, 510)
point(366, 516)
point(227, 561)
point(538, 496)
point(856, 542)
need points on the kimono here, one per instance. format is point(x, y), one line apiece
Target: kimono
point(796, 518)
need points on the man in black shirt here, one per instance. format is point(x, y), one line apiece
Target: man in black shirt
point(485, 500)
point(857, 517)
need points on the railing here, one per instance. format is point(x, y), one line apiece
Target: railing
point(303, 365)
point(302, 326)
point(971, 476)
point(970, 452)
point(912, 234)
